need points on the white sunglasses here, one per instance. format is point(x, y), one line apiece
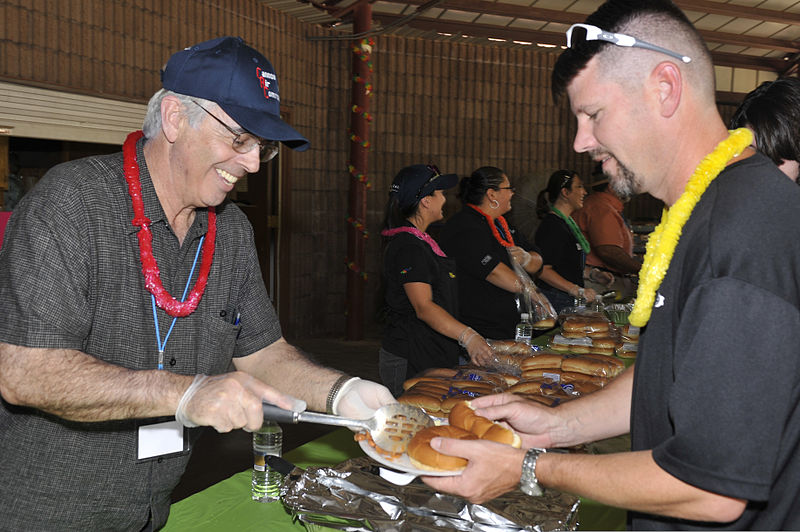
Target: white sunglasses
point(593, 33)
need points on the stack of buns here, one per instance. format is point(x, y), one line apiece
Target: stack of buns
point(439, 389)
point(465, 424)
point(630, 342)
point(589, 365)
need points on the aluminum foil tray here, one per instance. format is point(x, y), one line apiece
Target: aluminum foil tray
point(352, 496)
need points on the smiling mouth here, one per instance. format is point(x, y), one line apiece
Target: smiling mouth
point(227, 176)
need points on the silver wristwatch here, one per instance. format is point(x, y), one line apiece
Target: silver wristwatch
point(527, 482)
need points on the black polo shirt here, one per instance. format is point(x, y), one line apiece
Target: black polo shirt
point(560, 249)
point(490, 310)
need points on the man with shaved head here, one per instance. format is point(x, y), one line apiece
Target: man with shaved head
point(712, 403)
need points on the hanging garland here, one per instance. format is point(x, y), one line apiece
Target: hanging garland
point(359, 226)
point(352, 266)
point(362, 113)
point(358, 140)
point(363, 51)
point(359, 176)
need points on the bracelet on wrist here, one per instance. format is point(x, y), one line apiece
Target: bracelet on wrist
point(335, 390)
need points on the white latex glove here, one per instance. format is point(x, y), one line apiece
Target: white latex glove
point(358, 399)
point(230, 401)
point(520, 255)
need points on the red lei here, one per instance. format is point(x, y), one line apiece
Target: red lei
point(152, 276)
point(503, 242)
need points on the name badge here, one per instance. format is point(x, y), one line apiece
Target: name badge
point(160, 439)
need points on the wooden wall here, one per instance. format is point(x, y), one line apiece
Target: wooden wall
point(456, 105)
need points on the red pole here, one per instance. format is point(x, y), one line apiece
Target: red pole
point(359, 150)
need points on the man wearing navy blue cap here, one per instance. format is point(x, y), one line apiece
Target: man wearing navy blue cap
point(129, 286)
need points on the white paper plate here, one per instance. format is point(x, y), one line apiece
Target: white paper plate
point(402, 463)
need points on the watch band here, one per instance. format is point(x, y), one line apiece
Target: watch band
point(528, 482)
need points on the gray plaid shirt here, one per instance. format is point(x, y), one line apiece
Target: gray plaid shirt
point(70, 277)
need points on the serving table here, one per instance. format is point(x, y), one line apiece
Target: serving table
point(227, 504)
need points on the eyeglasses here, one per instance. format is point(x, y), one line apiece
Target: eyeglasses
point(511, 188)
point(434, 177)
point(593, 33)
point(246, 142)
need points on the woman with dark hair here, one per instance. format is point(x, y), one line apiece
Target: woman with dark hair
point(563, 246)
point(421, 294)
point(479, 239)
point(772, 113)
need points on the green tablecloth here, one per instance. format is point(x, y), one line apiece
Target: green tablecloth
point(227, 505)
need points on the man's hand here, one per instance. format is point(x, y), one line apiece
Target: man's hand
point(358, 399)
point(230, 401)
point(493, 469)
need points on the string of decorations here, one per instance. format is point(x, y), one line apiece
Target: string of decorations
point(363, 50)
point(359, 226)
point(362, 113)
point(359, 176)
point(352, 266)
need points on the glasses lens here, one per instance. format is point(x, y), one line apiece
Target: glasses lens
point(269, 149)
point(577, 35)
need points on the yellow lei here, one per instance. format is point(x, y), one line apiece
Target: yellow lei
point(662, 242)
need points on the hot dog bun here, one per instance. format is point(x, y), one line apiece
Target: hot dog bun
point(422, 455)
point(463, 416)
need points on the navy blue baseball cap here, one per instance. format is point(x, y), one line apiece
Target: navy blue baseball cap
point(414, 182)
point(238, 79)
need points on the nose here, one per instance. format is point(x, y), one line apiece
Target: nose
point(584, 137)
point(251, 160)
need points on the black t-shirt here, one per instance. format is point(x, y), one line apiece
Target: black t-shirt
point(717, 386)
point(408, 259)
point(560, 249)
point(491, 311)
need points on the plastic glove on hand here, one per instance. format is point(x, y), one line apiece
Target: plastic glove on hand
point(358, 399)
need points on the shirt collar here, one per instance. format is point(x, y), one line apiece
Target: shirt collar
point(152, 206)
point(611, 199)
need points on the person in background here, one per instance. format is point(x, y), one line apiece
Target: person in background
point(772, 113)
point(562, 244)
point(103, 373)
point(602, 222)
point(479, 239)
point(703, 455)
point(422, 329)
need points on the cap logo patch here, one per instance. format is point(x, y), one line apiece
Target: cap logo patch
point(265, 79)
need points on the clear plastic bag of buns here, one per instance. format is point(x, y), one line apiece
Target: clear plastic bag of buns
point(542, 313)
point(508, 355)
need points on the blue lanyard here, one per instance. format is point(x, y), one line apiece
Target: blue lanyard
point(162, 345)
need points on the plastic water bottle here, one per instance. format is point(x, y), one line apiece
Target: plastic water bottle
point(524, 329)
point(266, 481)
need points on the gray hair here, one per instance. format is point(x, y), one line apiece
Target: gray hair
point(152, 120)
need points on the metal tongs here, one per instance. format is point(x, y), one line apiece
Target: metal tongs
point(391, 427)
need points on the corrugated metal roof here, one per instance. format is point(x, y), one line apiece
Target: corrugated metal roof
point(755, 34)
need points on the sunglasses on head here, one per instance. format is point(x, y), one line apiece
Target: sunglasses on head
point(587, 32)
point(436, 173)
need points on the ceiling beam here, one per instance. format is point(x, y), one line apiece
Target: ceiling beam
point(480, 7)
point(732, 10)
point(567, 17)
point(552, 38)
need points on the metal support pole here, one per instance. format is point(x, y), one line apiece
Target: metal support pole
point(359, 150)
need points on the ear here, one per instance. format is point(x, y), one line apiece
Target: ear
point(669, 87)
point(172, 117)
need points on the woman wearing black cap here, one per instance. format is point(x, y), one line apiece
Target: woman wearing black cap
point(421, 291)
point(479, 239)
